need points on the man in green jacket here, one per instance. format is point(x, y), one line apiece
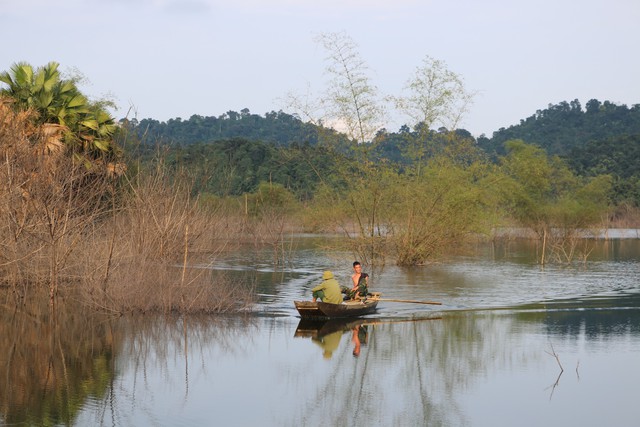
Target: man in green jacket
point(328, 290)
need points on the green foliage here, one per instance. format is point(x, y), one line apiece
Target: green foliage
point(438, 210)
point(390, 212)
point(626, 191)
point(85, 127)
point(544, 193)
point(271, 198)
point(412, 149)
point(237, 166)
point(275, 128)
point(359, 208)
point(528, 165)
point(616, 156)
point(601, 139)
point(409, 194)
point(561, 128)
point(393, 209)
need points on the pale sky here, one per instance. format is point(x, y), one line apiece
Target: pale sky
point(175, 58)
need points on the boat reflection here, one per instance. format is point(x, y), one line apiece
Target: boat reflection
point(360, 336)
point(328, 333)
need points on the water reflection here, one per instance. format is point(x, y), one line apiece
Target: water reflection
point(459, 369)
point(600, 318)
point(328, 333)
point(52, 363)
point(425, 372)
point(483, 358)
point(359, 337)
point(73, 367)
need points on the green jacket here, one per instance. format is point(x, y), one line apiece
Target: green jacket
point(329, 343)
point(331, 290)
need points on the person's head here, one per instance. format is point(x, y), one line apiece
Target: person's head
point(327, 275)
point(357, 266)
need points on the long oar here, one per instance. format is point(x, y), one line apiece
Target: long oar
point(410, 301)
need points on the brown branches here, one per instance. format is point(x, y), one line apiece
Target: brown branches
point(70, 229)
point(555, 384)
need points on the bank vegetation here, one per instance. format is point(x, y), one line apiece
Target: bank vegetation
point(95, 213)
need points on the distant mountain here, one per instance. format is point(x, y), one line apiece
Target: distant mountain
point(563, 128)
point(276, 128)
point(603, 138)
point(560, 129)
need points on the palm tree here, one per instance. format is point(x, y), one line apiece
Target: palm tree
point(65, 114)
point(29, 88)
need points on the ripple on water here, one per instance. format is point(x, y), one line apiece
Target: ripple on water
point(477, 282)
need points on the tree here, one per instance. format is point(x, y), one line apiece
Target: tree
point(435, 213)
point(31, 88)
point(547, 197)
point(48, 204)
point(351, 99)
point(65, 115)
point(370, 204)
point(434, 96)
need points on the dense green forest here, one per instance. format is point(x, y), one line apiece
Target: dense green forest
point(233, 153)
point(236, 166)
point(603, 138)
point(275, 128)
point(565, 127)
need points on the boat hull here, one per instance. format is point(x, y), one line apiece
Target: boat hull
point(310, 309)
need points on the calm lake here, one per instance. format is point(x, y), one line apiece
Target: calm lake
point(513, 344)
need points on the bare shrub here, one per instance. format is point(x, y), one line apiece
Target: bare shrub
point(564, 245)
point(142, 285)
point(270, 218)
point(158, 249)
point(145, 245)
point(47, 200)
point(625, 216)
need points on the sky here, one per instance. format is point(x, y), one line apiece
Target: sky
point(165, 59)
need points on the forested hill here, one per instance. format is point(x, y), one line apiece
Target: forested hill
point(561, 129)
point(603, 139)
point(276, 128)
point(566, 128)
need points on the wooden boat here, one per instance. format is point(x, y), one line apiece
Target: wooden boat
point(355, 308)
point(308, 309)
point(349, 308)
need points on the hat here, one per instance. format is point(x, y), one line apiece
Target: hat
point(327, 275)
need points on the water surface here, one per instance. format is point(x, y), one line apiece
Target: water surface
point(513, 343)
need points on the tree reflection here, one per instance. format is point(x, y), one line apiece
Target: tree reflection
point(75, 369)
point(424, 362)
point(53, 362)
